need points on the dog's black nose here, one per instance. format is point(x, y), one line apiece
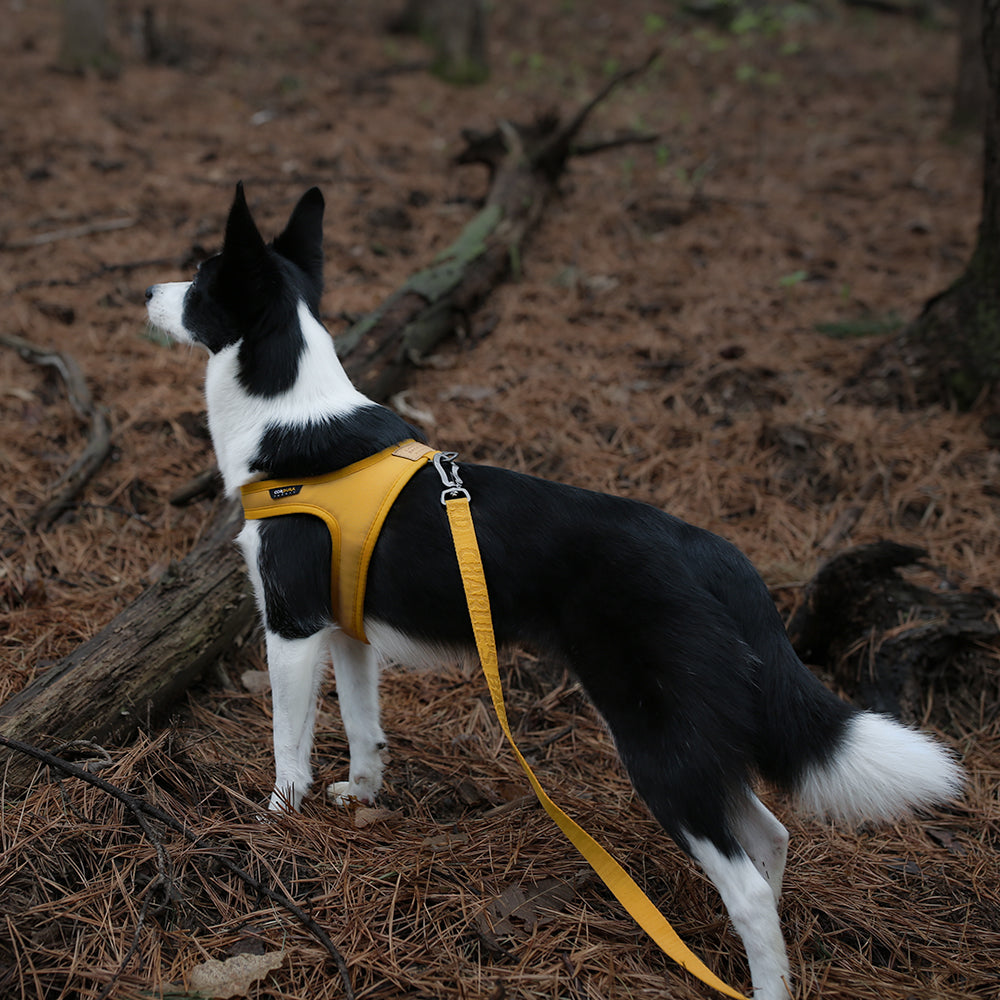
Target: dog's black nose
point(150, 291)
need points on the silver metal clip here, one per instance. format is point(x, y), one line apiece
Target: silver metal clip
point(450, 478)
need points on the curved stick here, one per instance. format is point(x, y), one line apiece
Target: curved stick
point(140, 808)
point(98, 446)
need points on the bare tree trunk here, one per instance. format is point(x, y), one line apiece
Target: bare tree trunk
point(951, 352)
point(84, 41)
point(971, 94)
point(456, 33)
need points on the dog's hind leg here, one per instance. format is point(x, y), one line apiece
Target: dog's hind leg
point(764, 839)
point(750, 901)
point(355, 667)
point(733, 838)
point(296, 667)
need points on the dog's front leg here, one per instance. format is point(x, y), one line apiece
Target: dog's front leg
point(296, 668)
point(355, 667)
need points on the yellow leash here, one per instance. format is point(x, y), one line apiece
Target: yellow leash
point(456, 502)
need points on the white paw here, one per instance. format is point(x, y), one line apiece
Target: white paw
point(360, 789)
point(285, 800)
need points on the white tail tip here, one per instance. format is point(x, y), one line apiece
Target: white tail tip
point(881, 771)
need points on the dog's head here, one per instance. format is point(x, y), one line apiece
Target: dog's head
point(248, 295)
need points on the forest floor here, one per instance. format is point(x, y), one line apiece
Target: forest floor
point(669, 337)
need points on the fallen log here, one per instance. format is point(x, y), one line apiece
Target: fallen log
point(134, 669)
point(143, 660)
point(888, 641)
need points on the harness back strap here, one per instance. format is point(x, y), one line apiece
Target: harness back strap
point(628, 893)
point(353, 502)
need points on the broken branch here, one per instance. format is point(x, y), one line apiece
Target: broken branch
point(72, 233)
point(98, 444)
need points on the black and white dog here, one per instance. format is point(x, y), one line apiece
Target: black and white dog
point(669, 629)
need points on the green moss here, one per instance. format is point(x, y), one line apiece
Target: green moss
point(465, 72)
point(864, 326)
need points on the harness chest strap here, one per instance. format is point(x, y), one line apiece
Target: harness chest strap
point(353, 502)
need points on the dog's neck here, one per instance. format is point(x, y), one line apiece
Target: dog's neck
point(238, 420)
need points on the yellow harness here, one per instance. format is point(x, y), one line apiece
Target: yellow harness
point(353, 502)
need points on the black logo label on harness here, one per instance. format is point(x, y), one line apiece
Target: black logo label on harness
point(280, 492)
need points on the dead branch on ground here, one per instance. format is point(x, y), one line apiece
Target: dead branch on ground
point(71, 233)
point(141, 809)
point(98, 445)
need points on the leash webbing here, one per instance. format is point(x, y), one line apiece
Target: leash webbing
point(635, 901)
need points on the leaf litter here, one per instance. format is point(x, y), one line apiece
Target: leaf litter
point(660, 342)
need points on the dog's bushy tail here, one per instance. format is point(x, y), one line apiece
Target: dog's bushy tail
point(842, 763)
point(839, 762)
point(881, 770)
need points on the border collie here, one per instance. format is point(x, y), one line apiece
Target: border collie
point(668, 627)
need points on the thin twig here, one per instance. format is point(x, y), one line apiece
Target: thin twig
point(557, 147)
point(74, 232)
point(99, 430)
point(139, 807)
point(206, 484)
point(101, 272)
point(613, 142)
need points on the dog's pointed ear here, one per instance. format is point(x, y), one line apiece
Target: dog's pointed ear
point(243, 245)
point(301, 241)
point(246, 263)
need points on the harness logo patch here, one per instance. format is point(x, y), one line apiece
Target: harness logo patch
point(413, 450)
point(279, 492)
